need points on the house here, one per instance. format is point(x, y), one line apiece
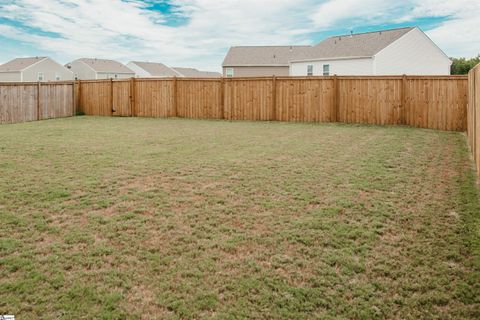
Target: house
point(194, 73)
point(33, 69)
point(386, 52)
point(255, 61)
point(152, 70)
point(91, 69)
point(159, 70)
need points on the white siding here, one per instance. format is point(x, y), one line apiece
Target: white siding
point(10, 77)
point(139, 72)
point(412, 54)
point(49, 68)
point(345, 67)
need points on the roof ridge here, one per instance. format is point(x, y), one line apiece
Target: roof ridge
point(376, 31)
point(306, 45)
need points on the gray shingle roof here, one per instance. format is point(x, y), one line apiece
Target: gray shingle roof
point(357, 45)
point(19, 64)
point(191, 72)
point(104, 65)
point(157, 69)
point(262, 55)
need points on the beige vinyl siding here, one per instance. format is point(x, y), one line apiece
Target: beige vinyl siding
point(82, 71)
point(10, 77)
point(109, 75)
point(257, 71)
point(49, 68)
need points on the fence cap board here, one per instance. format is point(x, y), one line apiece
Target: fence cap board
point(229, 79)
point(36, 83)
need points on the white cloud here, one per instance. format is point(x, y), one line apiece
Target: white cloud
point(332, 12)
point(126, 30)
point(458, 35)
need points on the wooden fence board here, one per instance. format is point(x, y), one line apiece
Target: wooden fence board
point(371, 101)
point(121, 98)
point(305, 100)
point(95, 98)
point(20, 102)
point(56, 101)
point(199, 99)
point(473, 114)
point(248, 99)
point(154, 98)
point(437, 102)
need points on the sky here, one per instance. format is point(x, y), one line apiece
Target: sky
point(198, 33)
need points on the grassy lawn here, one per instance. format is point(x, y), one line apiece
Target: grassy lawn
point(111, 218)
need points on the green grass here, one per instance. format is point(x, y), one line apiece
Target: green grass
point(112, 218)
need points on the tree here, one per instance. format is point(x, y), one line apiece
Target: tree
point(462, 65)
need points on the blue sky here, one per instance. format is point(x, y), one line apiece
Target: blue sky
point(198, 33)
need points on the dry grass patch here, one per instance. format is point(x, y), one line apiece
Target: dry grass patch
point(149, 218)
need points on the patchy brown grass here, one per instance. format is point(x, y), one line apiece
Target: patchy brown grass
point(149, 218)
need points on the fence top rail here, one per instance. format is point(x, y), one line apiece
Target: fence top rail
point(233, 79)
point(49, 83)
point(476, 67)
point(178, 79)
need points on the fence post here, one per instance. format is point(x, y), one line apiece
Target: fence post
point(274, 98)
point(38, 100)
point(175, 96)
point(74, 99)
point(474, 120)
point(404, 100)
point(336, 98)
point(111, 97)
point(80, 95)
point(222, 98)
point(133, 112)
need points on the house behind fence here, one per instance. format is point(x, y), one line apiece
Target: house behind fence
point(33, 69)
point(384, 52)
point(87, 69)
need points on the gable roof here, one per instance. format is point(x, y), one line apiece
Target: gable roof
point(191, 72)
point(105, 65)
point(20, 64)
point(262, 55)
point(356, 45)
point(157, 69)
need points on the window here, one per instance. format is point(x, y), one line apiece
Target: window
point(40, 76)
point(326, 69)
point(57, 76)
point(229, 72)
point(116, 76)
point(310, 70)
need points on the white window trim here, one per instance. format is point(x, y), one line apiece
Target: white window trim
point(57, 76)
point(328, 71)
point(309, 73)
point(229, 72)
point(38, 76)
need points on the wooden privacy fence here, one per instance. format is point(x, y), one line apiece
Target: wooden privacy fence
point(30, 101)
point(473, 114)
point(436, 102)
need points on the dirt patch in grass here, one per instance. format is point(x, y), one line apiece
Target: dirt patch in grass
point(179, 219)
